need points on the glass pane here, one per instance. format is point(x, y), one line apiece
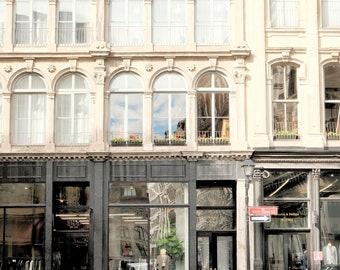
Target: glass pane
point(25, 234)
point(221, 105)
point(203, 253)
point(275, 252)
point(22, 83)
point(77, 220)
point(291, 214)
point(330, 184)
point(204, 104)
point(37, 83)
point(2, 221)
point(224, 252)
point(205, 81)
point(331, 118)
point(134, 233)
point(220, 81)
point(215, 220)
point(149, 193)
point(215, 196)
point(80, 82)
point(22, 193)
point(65, 82)
point(70, 251)
point(291, 82)
point(281, 184)
point(68, 194)
point(278, 82)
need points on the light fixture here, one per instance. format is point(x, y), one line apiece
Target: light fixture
point(248, 167)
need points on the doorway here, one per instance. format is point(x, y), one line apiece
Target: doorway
point(215, 251)
point(286, 251)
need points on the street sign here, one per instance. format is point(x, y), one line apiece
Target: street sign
point(264, 218)
point(263, 210)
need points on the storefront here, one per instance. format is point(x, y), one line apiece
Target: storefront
point(115, 213)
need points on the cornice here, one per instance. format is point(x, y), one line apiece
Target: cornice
point(109, 156)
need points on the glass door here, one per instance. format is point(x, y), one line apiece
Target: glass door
point(287, 251)
point(215, 251)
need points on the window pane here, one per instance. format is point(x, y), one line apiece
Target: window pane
point(330, 184)
point(71, 194)
point(291, 82)
point(24, 235)
point(215, 196)
point(291, 214)
point(285, 184)
point(22, 193)
point(215, 220)
point(284, 13)
point(148, 193)
point(330, 13)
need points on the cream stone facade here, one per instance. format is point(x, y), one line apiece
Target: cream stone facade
point(189, 89)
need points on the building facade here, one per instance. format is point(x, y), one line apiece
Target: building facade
point(125, 123)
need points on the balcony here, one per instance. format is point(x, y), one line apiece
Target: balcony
point(333, 130)
point(286, 131)
point(169, 35)
point(212, 34)
point(212, 138)
point(126, 35)
point(125, 139)
point(30, 36)
point(71, 36)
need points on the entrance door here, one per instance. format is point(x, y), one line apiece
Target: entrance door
point(215, 251)
point(286, 251)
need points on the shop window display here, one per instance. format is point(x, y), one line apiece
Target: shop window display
point(156, 220)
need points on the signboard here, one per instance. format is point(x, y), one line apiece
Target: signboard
point(263, 210)
point(317, 255)
point(264, 218)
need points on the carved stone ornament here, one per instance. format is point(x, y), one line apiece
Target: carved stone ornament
point(149, 67)
point(51, 68)
point(192, 67)
point(127, 64)
point(240, 75)
point(170, 64)
point(8, 68)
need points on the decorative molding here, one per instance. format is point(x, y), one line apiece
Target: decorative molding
point(127, 64)
point(240, 74)
point(29, 64)
point(286, 54)
point(149, 67)
point(8, 68)
point(335, 56)
point(170, 64)
point(316, 174)
point(73, 64)
point(192, 67)
point(212, 63)
point(51, 68)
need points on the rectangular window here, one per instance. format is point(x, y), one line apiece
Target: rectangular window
point(127, 22)
point(284, 13)
point(2, 20)
point(330, 13)
point(31, 22)
point(74, 22)
point(28, 121)
point(212, 22)
point(169, 22)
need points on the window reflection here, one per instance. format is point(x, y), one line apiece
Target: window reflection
point(22, 193)
point(285, 184)
point(330, 184)
point(148, 193)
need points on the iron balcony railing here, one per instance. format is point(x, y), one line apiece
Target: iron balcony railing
point(73, 35)
point(30, 36)
point(126, 35)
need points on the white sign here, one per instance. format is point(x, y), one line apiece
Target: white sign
point(264, 218)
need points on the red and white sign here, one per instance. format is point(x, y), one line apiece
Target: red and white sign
point(317, 255)
point(263, 210)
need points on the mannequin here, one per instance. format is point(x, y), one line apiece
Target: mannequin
point(330, 256)
point(163, 261)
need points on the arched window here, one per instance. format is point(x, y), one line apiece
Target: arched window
point(72, 110)
point(126, 109)
point(213, 109)
point(28, 110)
point(169, 108)
point(285, 102)
point(332, 100)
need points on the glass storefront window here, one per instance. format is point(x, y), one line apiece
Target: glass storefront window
point(148, 193)
point(71, 223)
point(139, 237)
point(22, 193)
point(282, 184)
point(330, 184)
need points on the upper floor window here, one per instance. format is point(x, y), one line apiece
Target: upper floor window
point(30, 22)
point(127, 22)
point(74, 18)
point(332, 101)
point(169, 22)
point(212, 22)
point(169, 108)
point(28, 111)
point(72, 110)
point(284, 13)
point(126, 110)
point(213, 109)
point(285, 101)
point(2, 21)
point(330, 13)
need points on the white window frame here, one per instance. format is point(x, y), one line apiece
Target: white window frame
point(72, 137)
